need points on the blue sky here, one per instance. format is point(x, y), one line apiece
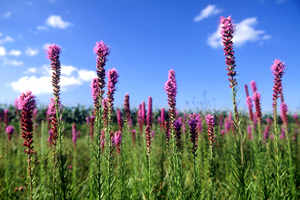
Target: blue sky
point(147, 38)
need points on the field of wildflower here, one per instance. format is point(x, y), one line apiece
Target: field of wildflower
point(140, 153)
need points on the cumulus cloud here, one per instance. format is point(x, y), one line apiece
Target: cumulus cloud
point(208, 11)
point(244, 32)
point(14, 52)
point(31, 70)
point(2, 51)
point(6, 39)
point(67, 70)
point(86, 75)
point(39, 80)
point(56, 21)
point(31, 52)
point(10, 62)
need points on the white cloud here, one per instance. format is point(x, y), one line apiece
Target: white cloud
point(244, 32)
point(12, 62)
point(86, 75)
point(31, 52)
point(31, 70)
point(6, 39)
point(67, 70)
point(2, 51)
point(56, 21)
point(40, 83)
point(7, 14)
point(14, 52)
point(208, 11)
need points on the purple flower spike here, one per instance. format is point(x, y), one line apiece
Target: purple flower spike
point(178, 125)
point(74, 134)
point(277, 68)
point(117, 140)
point(95, 93)
point(119, 119)
point(53, 55)
point(127, 111)
point(171, 90)
point(111, 87)
point(149, 125)
point(283, 113)
point(227, 36)
point(27, 105)
point(102, 52)
point(193, 132)
point(210, 121)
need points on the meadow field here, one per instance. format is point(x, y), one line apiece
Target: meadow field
point(105, 152)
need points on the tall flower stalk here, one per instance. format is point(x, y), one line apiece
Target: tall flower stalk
point(102, 51)
point(227, 36)
point(211, 138)
point(177, 186)
point(27, 102)
point(111, 88)
point(148, 146)
point(127, 111)
point(53, 55)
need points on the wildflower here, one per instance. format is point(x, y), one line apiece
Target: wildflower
point(95, 94)
point(256, 99)
point(53, 55)
point(227, 35)
point(193, 132)
point(171, 90)
point(162, 118)
point(102, 51)
point(277, 68)
point(283, 113)
point(210, 128)
point(27, 101)
point(9, 131)
point(111, 87)
point(117, 140)
point(149, 125)
point(249, 103)
point(249, 130)
point(51, 115)
point(199, 123)
point(6, 117)
point(267, 129)
point(127, 110)
point(74, 134)
point(178, 125)
point(282, 135)
point(119, 119)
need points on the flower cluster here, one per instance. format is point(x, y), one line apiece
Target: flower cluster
point(227, 35)
point(27, 105)
point(102, 51)
point(210, 121)
point(193, 133)
point(53, 55)
point(111, 87)
point(127, 110)
point(171, 90)
point(277, 68)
